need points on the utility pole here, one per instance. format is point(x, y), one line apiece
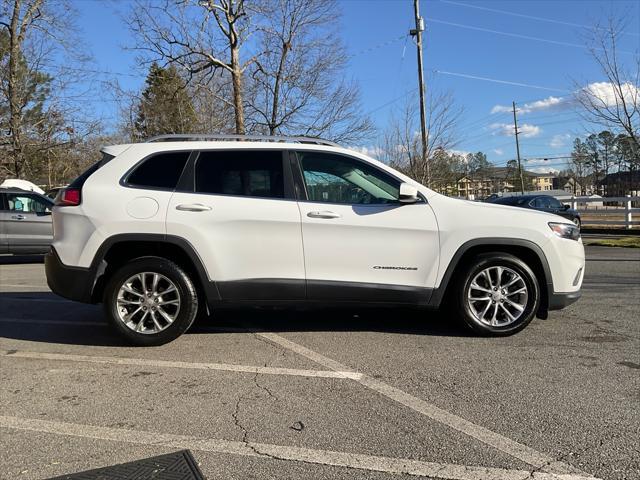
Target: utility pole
point(417, 32)
point(515, 124)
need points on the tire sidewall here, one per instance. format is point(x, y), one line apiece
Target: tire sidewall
point(184, 285)
point(503, 260)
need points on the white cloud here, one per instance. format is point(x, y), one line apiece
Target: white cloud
point(544, 104)
point(538, 161)
point(462, 153)
point(498, 151)
point(528, 131)
point(605, 93)
point(602, 91)
point(507, 130)
point(559, 141)
point(374, 152)
point(543, 170)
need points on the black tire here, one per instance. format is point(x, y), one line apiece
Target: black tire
point(184, 286)
point(577, 222)
point(476, 266)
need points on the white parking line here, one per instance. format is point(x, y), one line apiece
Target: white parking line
point(484, 435)
point(184, 365)
point(442, 471)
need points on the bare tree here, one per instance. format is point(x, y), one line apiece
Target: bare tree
point(204, 37)
point(298, 82)
point(43, 111)
point(614, 104)
point(17, 22)
point(402, 146)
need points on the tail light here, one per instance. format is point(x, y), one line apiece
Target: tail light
point(69, 197)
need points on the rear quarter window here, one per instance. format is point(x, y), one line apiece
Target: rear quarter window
point(160, 171)
point(80, 179)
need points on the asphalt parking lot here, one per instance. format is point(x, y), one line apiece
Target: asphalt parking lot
point(333, 394)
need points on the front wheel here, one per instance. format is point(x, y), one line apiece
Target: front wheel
point(150, 301)
point(497, 295)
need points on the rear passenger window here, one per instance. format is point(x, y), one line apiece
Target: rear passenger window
point(159, 171)
point(241, 172)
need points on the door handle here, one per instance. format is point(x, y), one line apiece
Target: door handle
point(193, 207)
point(323, 214)
point(18, 217)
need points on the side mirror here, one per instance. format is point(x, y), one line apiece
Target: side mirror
point(408, 193)
point(565, 207)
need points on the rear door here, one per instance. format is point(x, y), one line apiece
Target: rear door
point(4, 216)
point(360, 243)
point(238, 211)
point(28, 224)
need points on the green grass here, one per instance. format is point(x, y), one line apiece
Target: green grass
point(629, 242)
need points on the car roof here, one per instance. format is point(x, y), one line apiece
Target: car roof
point(19, 190)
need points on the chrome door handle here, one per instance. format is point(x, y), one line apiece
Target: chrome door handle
point(18, 217)
point(323, 214)
point(193, 207)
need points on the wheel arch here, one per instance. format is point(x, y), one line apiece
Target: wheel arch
point(118, 249)
point(526, 250)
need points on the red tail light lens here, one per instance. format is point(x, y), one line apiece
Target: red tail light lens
point(69, 197)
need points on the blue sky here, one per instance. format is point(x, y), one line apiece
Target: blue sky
point(457, 41)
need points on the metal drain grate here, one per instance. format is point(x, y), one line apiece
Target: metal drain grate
point(173, 466)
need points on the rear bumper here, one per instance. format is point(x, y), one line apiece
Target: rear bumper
point(558, 301)
point(74, 283)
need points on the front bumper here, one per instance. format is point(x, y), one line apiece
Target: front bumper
point(558, 301)
point(74, 283)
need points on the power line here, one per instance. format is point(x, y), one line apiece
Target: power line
point(495, 80)
point(380, 45)
point(531, 17)
point(392, 101)
point(516, 35)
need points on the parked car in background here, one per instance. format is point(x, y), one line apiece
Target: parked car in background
point(25, 185)
point(52, 192)
point(544, 203)
point(25, 222)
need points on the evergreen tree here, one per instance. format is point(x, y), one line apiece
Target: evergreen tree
point(165, 106)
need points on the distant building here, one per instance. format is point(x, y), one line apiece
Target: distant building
point(542, 181)
point(497, 180)
point(620, 184)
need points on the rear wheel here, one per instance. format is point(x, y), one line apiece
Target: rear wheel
point(150, 301)
point(497, 295)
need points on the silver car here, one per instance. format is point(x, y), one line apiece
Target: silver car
point(25, 222)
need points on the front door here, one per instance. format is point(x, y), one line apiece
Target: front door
point(360, 243)
point(27, 223)
point(244, 222)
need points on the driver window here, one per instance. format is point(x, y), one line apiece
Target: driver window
point(25, 204)
point(333, 178)
point(555, 203)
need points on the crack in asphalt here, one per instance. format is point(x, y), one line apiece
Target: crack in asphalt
point(576, 455)
point(236, 413)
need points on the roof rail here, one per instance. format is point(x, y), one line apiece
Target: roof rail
point(185, 137)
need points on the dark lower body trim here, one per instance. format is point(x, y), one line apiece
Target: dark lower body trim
point(558, 301)
point(366, 292)
point(296, 290)
point(74, 283)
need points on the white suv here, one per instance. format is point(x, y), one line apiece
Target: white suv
point(161, 230)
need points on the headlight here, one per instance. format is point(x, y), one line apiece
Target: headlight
point(565, 230)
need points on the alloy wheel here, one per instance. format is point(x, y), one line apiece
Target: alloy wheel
point(148, 302)
point(497, 296)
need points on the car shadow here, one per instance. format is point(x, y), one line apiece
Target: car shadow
point(44, 317)
point(20, 259)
